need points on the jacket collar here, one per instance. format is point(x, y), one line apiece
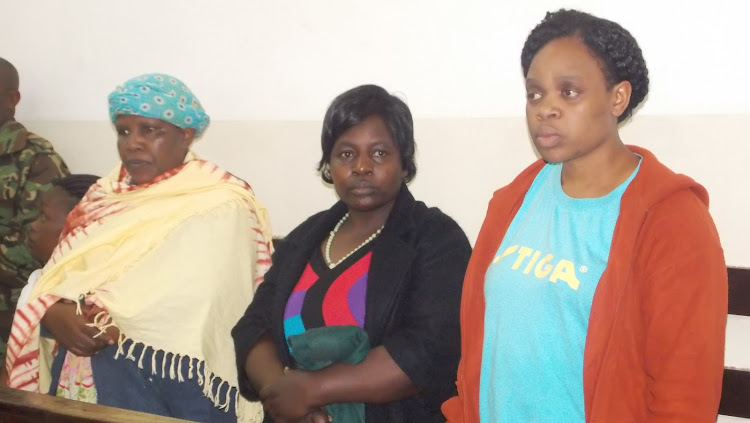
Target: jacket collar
point(392, 257)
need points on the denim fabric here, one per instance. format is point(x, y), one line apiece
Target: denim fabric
point(120, 383)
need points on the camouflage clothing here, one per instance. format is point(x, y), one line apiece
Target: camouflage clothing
point(28, 164)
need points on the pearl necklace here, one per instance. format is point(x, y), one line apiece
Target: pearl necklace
point(331, 265)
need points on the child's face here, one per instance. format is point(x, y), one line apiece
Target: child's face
point(45, 230)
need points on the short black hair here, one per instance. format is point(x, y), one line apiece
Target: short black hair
point(76, 185)
point(617, 51)
point(354, 106)
point(9, 73)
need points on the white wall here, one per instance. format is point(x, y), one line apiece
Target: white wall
point(266, 71)
point(286, 59)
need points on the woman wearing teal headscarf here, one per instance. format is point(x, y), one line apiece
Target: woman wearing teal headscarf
point(162, 97)
point(154, 266)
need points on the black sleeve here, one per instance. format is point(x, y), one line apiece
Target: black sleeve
point(257, 319)
point(427, 345)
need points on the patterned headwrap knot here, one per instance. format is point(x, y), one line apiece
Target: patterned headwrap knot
point(159, 96)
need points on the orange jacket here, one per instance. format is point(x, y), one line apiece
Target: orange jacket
point(655, 344)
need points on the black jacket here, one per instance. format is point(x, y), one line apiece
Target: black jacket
point(413, 300)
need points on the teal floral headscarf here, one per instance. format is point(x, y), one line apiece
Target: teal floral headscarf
point(159, 96)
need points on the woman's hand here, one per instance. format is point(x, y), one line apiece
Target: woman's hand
point(292, 397)
point(91, 311)
point(71, 330)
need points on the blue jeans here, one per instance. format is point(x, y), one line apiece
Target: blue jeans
point(120, 383)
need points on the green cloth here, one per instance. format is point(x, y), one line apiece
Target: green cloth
point(318, 348)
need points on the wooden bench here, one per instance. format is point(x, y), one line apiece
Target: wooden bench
point(26, 407)
point(735, 393)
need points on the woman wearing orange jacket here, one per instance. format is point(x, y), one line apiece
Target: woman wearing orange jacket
point(597, 289)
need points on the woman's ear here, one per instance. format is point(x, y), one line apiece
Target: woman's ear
point(188, 136)
point(621, 98)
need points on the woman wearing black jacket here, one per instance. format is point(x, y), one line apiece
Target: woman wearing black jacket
point(378, 260)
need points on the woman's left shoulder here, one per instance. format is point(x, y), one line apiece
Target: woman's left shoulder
point(433, 225)
point(427, 216)
point(680, 226)
point(682, 211)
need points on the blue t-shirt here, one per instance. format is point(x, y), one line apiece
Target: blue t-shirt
point(538, 290)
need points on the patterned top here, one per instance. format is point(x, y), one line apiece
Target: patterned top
point(28, 164)
point(329, 297)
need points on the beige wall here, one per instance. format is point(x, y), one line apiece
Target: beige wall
point(460, 163)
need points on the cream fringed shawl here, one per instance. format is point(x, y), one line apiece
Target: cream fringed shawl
point(174, 263)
